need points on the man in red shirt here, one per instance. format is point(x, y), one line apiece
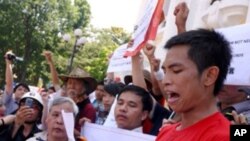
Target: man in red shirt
point(195, 68)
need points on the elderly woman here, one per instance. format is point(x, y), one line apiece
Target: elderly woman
point(56, 130)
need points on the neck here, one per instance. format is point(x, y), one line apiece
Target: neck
point(81, 97)
point(195, 115)
point(17, 100)
point(27, 129)
point(51, 138)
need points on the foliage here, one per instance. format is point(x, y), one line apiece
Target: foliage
point(28, 27)
point(94, 56)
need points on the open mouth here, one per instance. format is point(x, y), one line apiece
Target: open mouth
point(172, 97)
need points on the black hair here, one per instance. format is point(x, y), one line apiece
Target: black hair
point(120, 84)
point(100, 82)
point(21, 84)
point(147, 101)
point(52, 88)
point(113, 88)
point(206, 48)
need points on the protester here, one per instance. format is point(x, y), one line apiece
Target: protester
point(97, 102)
point(77, 85)
point(195, 68)
point(54, 75)
point(110, 92)
point(55, 126)
point(133, 107)
point(28, 116)
point(109, 95)
point(80, 84)
point(11, 97)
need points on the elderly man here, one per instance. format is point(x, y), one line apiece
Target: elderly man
point(79, 85)
point(55, 126)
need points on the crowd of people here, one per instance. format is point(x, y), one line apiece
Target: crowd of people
point(184, 99)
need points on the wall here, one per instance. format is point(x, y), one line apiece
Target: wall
point(224, 13)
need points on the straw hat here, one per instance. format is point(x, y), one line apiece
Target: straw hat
point(78, 73)
point(147, 77)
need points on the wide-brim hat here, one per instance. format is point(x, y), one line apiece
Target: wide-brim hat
point(78, 73)
point(147, 78)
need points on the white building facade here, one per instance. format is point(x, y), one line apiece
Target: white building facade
point(202, 14)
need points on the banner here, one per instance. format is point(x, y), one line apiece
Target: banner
point(147, 26)
point(118, 62)
point(239, 38)
point(94, 132)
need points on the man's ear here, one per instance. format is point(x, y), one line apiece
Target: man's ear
point(144, 115)
point(210, 75)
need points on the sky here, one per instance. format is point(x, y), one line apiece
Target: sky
point(119, 13)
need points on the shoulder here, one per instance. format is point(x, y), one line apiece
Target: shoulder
point(216, 135)
point(41, 136)
point(210, 131)
point(89, 106)
point(166, 131)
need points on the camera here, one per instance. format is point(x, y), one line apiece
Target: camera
point(29, 102)
point(11, 57)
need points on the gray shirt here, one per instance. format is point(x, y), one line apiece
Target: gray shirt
point(9, 102)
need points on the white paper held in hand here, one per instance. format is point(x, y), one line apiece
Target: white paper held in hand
point(68, 120)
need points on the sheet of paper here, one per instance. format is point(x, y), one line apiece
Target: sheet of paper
point(68, 120)
point(239, 38)
point(94, 132)
point(118, 63)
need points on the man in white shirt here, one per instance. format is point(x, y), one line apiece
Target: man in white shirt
point(132, 108)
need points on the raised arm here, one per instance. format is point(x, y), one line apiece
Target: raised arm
point(54, 74)
point(181, 12)
point(149, 51)
point(137, 69)
point(8, 75)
